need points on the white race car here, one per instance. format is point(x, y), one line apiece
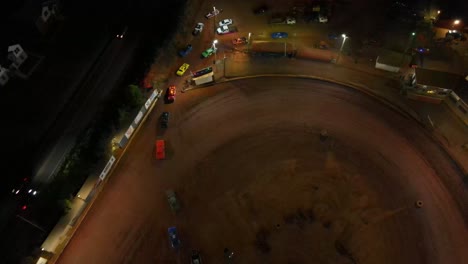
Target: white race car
point(225, 22)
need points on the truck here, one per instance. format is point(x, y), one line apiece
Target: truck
point(226, 30)
point(207, 78)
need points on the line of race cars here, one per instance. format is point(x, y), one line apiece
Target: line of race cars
point(225, 27)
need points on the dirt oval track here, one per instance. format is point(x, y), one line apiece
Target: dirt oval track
point(252, 174)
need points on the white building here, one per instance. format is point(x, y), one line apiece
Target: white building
point(48, 12)
point(17, 55)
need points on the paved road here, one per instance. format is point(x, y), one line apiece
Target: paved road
point(72, 120)
point(226, 139)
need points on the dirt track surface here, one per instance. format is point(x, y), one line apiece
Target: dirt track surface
point(252, 175)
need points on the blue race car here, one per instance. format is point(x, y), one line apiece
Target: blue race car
point(173, 237)
point(279, 35)
point(185, 51)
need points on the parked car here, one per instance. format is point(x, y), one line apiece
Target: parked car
point(225, 22)
point(173, 201)
point(213, 13)
point(333, 36)
point(198, 29)
point(323, 18)
point(185, 51)
point(208, 52)
point(422, 50)
point(260, 10)
point(239, 41)
point(182, 69)
point(226, 30)
point(290, 20)
point(196, 258)
point(164, 121)
point(173, 237)
point(279, 35)
point(171, 93)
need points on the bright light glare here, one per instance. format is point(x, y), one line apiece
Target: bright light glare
point(215, 41)
point(456, 22)
point(30, 190)
point(35, 192)
point(343, 35)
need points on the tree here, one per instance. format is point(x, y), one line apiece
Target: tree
point(124, 116)
point(135, 97)
point(66, 205)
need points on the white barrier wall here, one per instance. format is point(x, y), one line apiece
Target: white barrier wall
point(153, 97)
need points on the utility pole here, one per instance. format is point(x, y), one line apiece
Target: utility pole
point(410, 41)
point(214, 19)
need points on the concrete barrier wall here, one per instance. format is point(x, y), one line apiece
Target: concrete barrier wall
point(427, 99)
point(386, 67)
point(458, 106)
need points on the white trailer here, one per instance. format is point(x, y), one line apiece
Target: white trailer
point(207, 78)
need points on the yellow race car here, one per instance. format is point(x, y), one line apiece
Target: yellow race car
point(182, 69)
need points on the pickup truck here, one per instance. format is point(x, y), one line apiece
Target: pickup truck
point(226, 30)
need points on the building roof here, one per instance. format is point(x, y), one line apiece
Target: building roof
point(13, 47)
point(445, 80)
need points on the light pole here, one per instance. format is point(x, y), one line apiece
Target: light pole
point(342, 45)
point(214, 18)
point(215, 51)
point(344, 39)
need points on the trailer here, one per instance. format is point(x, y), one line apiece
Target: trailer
point(202, 72)
point(207, 78)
